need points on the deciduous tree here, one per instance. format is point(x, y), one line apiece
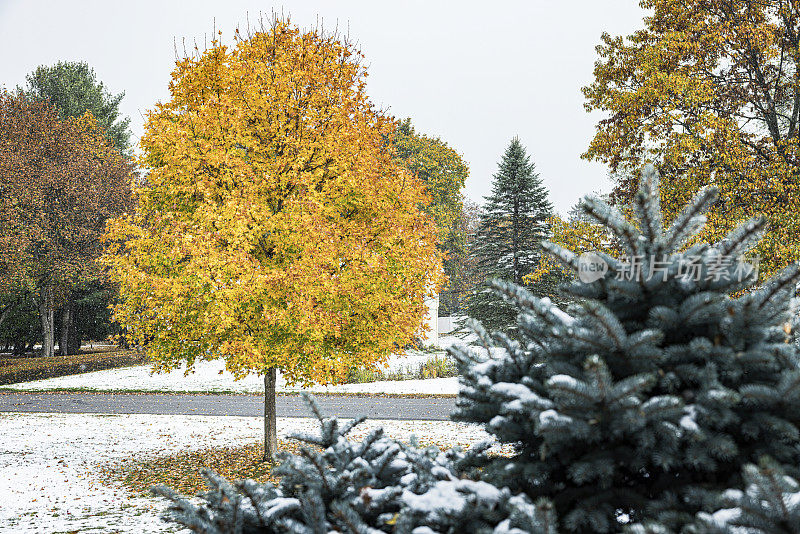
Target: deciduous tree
point(710, 91)
point(74, 89)
point(460, 266)
point(439, 167)
point(276, 229)
point(60, 180)
point(444, 172)
point(578, 234)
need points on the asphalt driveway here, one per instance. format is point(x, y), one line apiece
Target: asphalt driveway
point(374, 407)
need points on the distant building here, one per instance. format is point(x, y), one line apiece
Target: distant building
point(431, 337)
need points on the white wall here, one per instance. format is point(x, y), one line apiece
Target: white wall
point(432, 321)
point(447, 324)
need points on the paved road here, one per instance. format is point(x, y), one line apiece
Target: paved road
point(246, 405)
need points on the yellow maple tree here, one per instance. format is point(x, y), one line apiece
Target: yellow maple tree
point(577, 235)
point(275, 228)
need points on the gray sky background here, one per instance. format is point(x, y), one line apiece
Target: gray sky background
point(474, 73)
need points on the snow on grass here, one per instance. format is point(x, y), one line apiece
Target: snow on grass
point(211, 376)
point(49, 462)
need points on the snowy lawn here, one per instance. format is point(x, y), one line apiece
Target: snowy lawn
point(50, 462)
point(213, 378)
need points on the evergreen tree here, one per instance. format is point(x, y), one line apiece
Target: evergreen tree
point(770, 504)
point(506, 245)
point(647, 402)
point(370, 486)
point(73, 88)
point(20, 328)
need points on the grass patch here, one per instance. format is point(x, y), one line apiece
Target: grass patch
point(182, 471)
point(15, 369)
point(437, 366)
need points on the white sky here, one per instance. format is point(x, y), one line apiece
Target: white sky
point(473, 73)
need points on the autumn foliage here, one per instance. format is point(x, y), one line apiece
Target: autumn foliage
point(440, 168)
point(275, 227)
point(443, 172)
point(60, 180)
point(577, 235)
point(708, 89)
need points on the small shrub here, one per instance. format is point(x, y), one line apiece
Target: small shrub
point(438, 366)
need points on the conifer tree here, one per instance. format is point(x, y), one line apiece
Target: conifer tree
point(73, 88)
point(769, 504)
point(647, 402)
point(506, 245)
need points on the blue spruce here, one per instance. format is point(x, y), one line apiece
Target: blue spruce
point(645, 403)
point(370, 486)
point(769, 504)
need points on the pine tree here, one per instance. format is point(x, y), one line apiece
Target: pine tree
point(506, 244)
point(647, 402)
point(73, 88)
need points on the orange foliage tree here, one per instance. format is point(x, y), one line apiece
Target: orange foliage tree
point(275, 228)
point(60, 181)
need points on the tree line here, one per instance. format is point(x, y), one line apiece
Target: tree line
point(64, 171)
point(293, 228)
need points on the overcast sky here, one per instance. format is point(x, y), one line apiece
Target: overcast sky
point(474, 73)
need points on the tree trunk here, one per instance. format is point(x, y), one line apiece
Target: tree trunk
point(270, 421)
point(47, 314)
point(5, 313)
point(66, 329)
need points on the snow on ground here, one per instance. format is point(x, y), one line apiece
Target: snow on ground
point(49, 462)
point(212, 377)
point(430, 386)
